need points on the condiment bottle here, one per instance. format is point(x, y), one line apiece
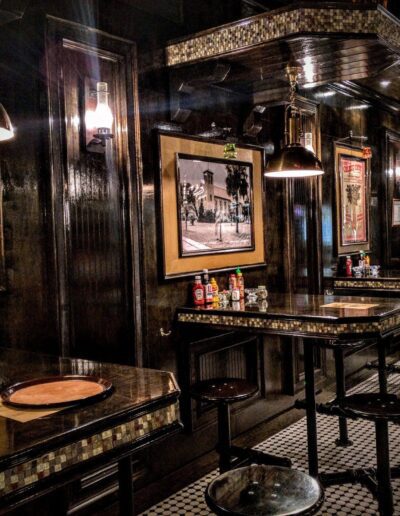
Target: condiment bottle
point(208, 290)
point(214, 285)
point(235, 296)
point(367, 260)
point(262, 293)
point(232, 281)
point(349, 265)
point(361, 261)
point(240, 282)
point(198, 291)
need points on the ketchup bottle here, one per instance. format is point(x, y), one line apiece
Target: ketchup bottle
point(349, 266)
point(198, 291)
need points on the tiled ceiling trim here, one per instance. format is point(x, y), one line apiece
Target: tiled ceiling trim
point(264, 28)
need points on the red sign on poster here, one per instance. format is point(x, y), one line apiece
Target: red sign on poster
point(353, 198)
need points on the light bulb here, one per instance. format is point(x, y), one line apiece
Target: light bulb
point(102, 117)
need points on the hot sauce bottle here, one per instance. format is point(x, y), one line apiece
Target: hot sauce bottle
point(240, 282)
point(198, 291)
point(232, 281)
point(208, 290)
point(349, 266)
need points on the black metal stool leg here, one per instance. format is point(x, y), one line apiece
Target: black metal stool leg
point(224, 437)
point(343, 439)
point(382, 372)
point(311, 411)
point(385, 494)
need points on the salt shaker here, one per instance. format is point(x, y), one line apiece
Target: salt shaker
point(262, 293)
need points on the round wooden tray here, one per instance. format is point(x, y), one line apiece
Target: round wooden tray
point(55, 391)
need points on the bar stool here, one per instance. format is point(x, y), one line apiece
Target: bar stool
point(223, 392)
point(381, 409)
point(259, 490)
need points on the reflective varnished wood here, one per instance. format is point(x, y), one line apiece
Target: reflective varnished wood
point(136, 391)
point(41, 455)
point(303, 315)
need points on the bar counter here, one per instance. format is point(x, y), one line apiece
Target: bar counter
point(354, 319)
point(302, 315)
point(44, 453)
point(387, 283)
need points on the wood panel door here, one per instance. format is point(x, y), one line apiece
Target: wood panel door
point(391, 199)
point(94, 202)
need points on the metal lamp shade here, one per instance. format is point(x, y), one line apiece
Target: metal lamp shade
point(6, 128)
point(294, 160)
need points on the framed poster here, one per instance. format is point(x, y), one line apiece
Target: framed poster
point(352, 173)
point(211, 208)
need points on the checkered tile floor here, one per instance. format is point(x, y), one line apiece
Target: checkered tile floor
point(291, 442)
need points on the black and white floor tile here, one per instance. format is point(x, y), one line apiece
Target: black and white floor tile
point(291, 442)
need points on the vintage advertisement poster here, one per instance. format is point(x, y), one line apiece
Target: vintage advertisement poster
point(354, 216)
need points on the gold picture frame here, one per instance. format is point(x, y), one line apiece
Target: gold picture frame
point(172, 146)
point(352, 178)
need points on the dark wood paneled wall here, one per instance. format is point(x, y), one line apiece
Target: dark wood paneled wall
point(338, 117)
point(27, 310)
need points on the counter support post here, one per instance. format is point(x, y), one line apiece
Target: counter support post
point(382, 372)
point(385, 494)
point(340, 394)
point(311, 408)
point(125, 479)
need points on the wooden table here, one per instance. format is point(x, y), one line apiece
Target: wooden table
point(307, 316)
point(41, 455)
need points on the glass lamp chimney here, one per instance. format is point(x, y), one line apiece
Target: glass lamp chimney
point(103, 117)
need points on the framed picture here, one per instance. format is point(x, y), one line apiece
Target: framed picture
point(352, 173)
point(211, 207)
point(396, 212)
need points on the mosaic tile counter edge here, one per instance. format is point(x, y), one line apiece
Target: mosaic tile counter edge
point(32, 471)
point(262, 29)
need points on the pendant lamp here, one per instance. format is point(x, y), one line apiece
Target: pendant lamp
point(6, 128)
point(293, 160)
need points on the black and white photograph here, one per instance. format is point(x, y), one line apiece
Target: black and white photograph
point(215, 205)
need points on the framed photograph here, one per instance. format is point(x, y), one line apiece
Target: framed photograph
point(215, 208)
point(211, 207)
point(352, 172)
point(396, 212)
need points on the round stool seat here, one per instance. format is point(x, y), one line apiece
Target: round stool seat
point(260, 490)
point(223, 389)
point(373, 406)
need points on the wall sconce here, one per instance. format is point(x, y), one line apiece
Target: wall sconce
point(293, 160)
point(101, 118)
point(6, 128)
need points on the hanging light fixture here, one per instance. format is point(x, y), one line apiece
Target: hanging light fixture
point(293, 160)
point(6, 128)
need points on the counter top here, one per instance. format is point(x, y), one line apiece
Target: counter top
point(116, 420)
point(384, 275)
point(298, 314)
point(387, 282)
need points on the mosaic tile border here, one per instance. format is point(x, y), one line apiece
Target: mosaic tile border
point(28, 473)
point(290, 325)
point(373, 284)
point(262, 29)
